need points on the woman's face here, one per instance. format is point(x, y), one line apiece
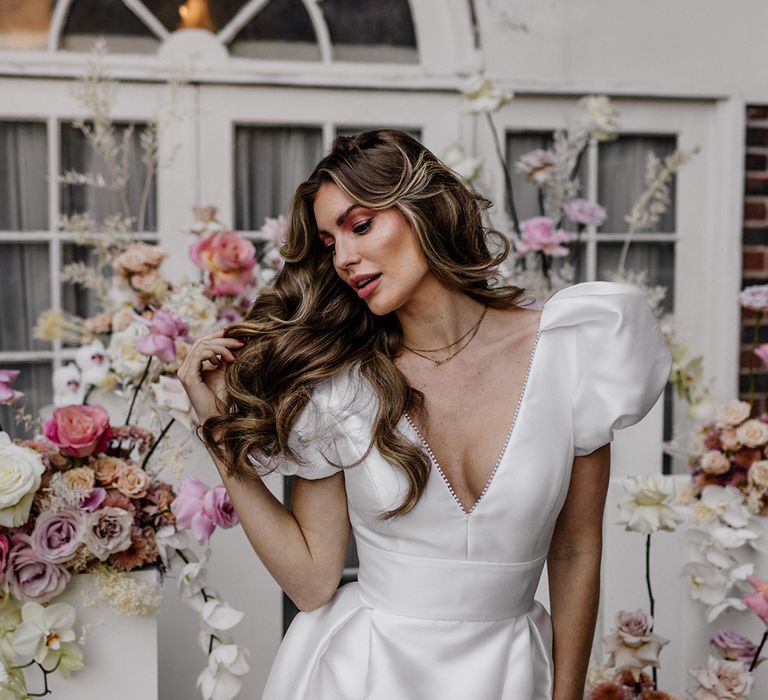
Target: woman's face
point(374, 250)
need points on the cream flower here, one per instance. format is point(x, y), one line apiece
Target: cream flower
point(632, 645)
point(752, 433)
point(721, 680)
point(220, 615)
point(126, 360)
point(21, 469)
point(219, 681)
point(715, 462)
point(727, 502)
point(45, 633)
point(602, 116)
point(728, 439)
point(458, 161)
point(81, 479)
point(132, 481)
point(169, 393)
point(189, 302)
point(482, 96)
point(758, 473)
point(649, 505)
point(732, 414)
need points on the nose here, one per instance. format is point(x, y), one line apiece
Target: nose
point(346, 253)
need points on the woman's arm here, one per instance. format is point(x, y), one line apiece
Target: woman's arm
point(573, 567)
point(303, 549)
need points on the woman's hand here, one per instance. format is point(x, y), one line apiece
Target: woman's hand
point(202, 372)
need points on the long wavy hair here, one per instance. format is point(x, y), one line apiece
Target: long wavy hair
point(310, 326)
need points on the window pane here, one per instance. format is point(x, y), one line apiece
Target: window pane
point(26, 292)
point(77, 155)
point(621, 178)
point(23, 176)
point(75, 298)
point(282, 29)
point(24, 23)
point(35, 382)
point(124, 31)
point(270, 162)
point(526, 193)
point(371, 30)
point(217, 12)
point(657, 258)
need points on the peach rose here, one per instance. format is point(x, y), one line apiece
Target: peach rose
point(79, 431)
point(107, 469)
point(150, 282)
point(732, 414)
point(728, 439)
point(752, 433)
point(138, 258)
point(715, 462)
point(122, 319)
point(132, 481)
point(228, 258)
point(80, 479)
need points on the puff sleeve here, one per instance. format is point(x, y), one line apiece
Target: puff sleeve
point(313, 438)
point(622, 360)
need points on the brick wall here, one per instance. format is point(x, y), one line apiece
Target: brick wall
point(755, 248)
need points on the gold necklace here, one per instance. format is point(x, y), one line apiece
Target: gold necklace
point(437, 363)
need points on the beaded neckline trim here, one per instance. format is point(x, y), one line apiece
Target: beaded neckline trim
point(503, 449)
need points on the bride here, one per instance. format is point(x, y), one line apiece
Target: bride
point(462, 438)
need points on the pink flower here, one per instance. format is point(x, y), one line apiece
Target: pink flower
point(201, 508)
point(537, 166)
point(4, 546)
point(228, 258)
point(762, 352)
point(167, 323)
point(583, 211)
point(57, 535)
point(275, 230)
point(218, 503)
point(539, 234)
point(79, 431)
point(632, 645)
point(159, 346)
point(164, 328)
point(8, 395)
point(754, 297)
point(138, 258)
point(758, 601)
point(30, 577)
point(734, 647)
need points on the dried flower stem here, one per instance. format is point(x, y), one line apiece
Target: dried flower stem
point(652, 605)
point(137, 389)
point(156, 443)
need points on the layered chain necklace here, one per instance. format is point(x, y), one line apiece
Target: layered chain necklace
point(468, 336)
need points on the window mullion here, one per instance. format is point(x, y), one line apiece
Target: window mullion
point(54, 245)
point(591, 191)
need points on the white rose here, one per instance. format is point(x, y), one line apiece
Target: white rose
point(752, 433)
point(721, 679)
point(758, 473)
point(20, 472)
point(126, 360)
point(732, 414)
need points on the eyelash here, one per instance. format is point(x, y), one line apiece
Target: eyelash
point(367, 224)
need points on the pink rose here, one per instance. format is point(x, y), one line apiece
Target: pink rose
point(30, 577)
point(734, 647)
point(584, 211)
point(4, 546)
point(201, 508)
point(715, 462)
point(138, 258)
point(758, 601)
point(228, 258)
point(539, 234)
point(79, 431)
point(8, 395)
point(218, 503)
point(632, 645)
point(754, 297)
point(167, 323)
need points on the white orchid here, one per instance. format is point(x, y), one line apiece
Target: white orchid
point(219, 680)
point(727, 503)
point(220, 615)
point(169, 393)
point(68, 387)
point(93, 361)
point(708, 584)
point(482, 96)
point(45, 634)
point(458, 161)
point(649, 504)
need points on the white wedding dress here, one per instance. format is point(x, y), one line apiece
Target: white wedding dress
point(443, 608)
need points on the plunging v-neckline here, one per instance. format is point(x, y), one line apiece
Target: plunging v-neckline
point(510, 432)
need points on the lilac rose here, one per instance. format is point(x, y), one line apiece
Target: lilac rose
point(219, 505)
point(584, 211)
point(734, 647)
point(30, 577)
point(57, 535)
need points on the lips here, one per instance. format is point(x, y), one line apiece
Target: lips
point(357, 282)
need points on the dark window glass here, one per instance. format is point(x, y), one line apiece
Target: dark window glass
point(282, 29)
point(35, 382)
point(124, 31)
point(23, 176)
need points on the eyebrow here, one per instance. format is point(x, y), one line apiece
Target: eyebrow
point(341, 218)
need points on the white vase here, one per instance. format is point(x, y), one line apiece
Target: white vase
point(120, 650)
